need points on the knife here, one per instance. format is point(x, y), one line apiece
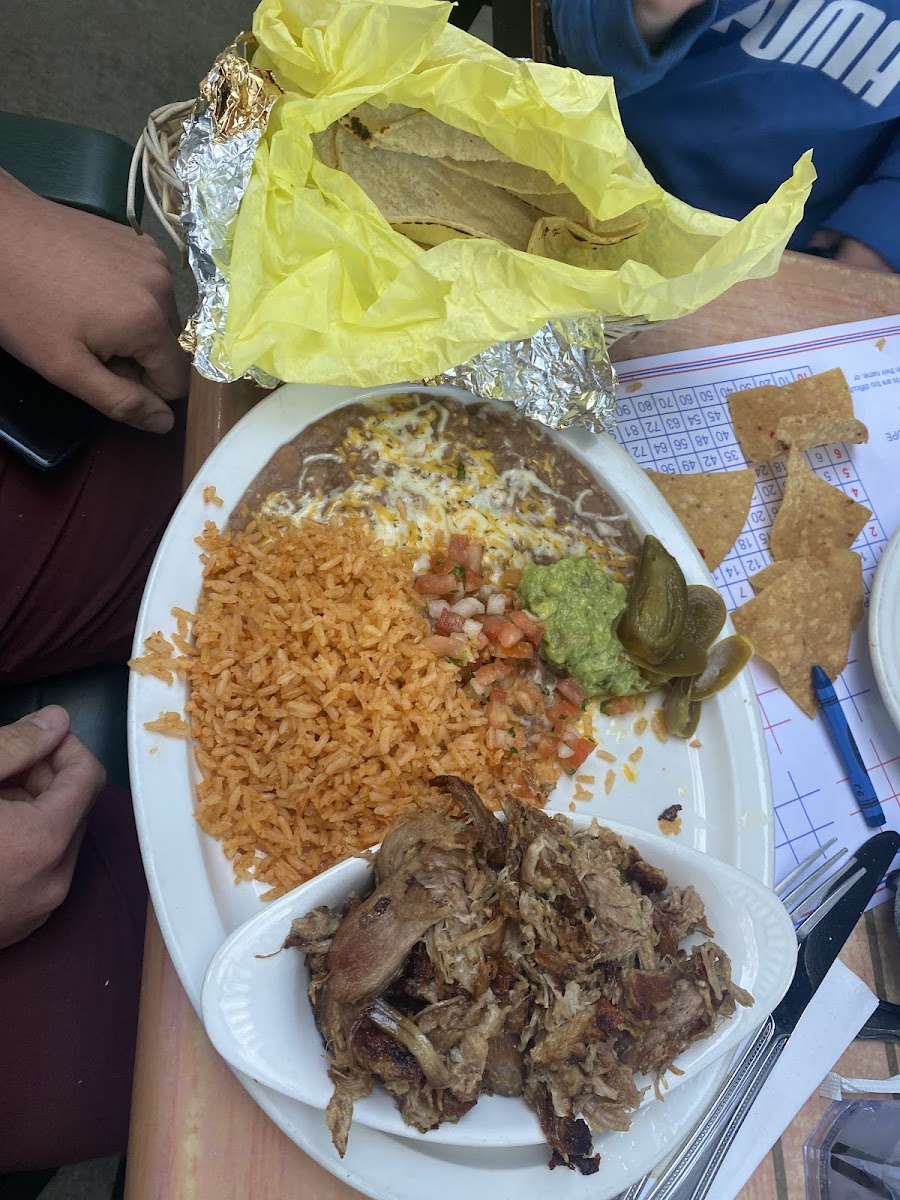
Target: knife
point(821, 937)
point(883, 1025)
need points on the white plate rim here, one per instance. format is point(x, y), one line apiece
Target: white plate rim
point(884, 627)
point(175, 900)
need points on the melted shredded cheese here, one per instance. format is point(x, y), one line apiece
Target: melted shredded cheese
point(421, 487)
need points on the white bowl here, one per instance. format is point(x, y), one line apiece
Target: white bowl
point(259, 1018)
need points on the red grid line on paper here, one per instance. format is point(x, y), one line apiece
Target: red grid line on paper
point(771, 726)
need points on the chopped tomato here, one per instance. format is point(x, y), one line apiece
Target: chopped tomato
point(436, 585)
point(562, 710)
point(508, 634)
point(519, 650)
point(444, 646)
point(456, 551)
point(547, 746)
point(439, 560)
point(488, 674)
point(619, 705)
point(511, 578)
point(471, 581)
point(581, 749)
point(532, 629)
point(449, 622)
point(571, 690)
point(492, 625)
point(474, 558)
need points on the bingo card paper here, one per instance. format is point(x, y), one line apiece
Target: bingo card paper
point(672, 415)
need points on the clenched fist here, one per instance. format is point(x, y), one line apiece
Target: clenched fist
point(48, 782)
point(89, 305)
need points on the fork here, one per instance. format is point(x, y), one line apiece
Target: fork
point(806, 908)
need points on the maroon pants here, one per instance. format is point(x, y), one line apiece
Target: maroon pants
point(74, 554)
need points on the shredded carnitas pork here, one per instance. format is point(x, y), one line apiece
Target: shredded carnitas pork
point(517, 959)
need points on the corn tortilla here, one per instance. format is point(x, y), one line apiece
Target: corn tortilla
point(406, 188)
point(414, 131)
point(511, 176)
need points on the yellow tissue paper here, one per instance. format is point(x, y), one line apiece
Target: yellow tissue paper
point(323, 290)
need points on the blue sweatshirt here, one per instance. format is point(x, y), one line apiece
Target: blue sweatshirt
point(738, 91)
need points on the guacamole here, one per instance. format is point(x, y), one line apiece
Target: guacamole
point(579, 606)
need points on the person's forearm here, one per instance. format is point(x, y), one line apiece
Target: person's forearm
point(652, 23)
point(634, 41)
point(656, 18)
point(869, 215)
point(14, 198)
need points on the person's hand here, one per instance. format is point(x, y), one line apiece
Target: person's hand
point(48, 782)
point(88, 304)
point(654, 18)
point(858, 254)
point(849, 251)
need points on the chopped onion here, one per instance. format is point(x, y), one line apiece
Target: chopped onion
point(472, 630)
point(564, 751)
point(496, 604)
point(468, 606)
point(436, 607)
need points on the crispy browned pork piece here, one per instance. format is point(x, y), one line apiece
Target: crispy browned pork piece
point(518, 959)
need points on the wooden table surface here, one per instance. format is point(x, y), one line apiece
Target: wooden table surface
point(195, 1133)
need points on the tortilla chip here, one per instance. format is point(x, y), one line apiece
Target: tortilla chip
point(414, 131)
point(773, 572)
point(840, 577)
point(407, 189)
point(712, 508)
point(814, 517)
point(793, 628)
point(756, 412)
point(806, 430)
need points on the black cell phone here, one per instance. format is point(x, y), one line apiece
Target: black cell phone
point(40, 422)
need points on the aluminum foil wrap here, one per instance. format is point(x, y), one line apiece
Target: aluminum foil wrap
point(214, 162)
point(561, 376)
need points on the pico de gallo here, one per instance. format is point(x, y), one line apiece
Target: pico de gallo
point(480, 624)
